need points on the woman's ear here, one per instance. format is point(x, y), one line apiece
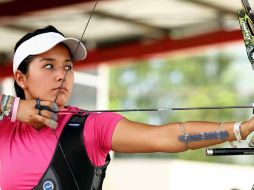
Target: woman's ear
point(20, 79)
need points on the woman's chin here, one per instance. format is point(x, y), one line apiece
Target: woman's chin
point(61, 102)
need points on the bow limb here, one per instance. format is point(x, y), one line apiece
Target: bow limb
point(246, 21)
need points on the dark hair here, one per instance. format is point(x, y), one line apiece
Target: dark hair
point(24, 66)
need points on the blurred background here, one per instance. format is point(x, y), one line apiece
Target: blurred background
point(149, 54)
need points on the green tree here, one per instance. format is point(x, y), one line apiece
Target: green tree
point(204, 80)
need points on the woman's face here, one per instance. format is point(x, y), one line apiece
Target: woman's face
point(46, 74)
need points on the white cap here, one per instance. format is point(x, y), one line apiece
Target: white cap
point(44, 42)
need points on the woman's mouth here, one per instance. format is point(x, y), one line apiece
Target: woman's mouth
point(61, 89)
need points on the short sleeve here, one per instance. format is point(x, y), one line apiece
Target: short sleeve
point(98, 132)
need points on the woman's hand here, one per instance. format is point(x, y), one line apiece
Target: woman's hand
point(27, 113)
point(247, 128)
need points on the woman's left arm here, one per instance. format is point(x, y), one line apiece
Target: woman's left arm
point(134, 137)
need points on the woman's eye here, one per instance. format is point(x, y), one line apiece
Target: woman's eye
point(48, 66)
point(68, 67)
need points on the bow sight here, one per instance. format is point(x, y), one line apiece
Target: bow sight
point(246, 20)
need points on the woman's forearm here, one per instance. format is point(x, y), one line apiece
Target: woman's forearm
point(132, 137)
point(195, 135)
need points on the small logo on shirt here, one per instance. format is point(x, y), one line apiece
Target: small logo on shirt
point(74, 124)
point(48, 185)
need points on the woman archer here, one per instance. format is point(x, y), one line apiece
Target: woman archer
point(42, 147)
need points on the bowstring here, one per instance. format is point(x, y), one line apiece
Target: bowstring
point(84, 31)
point(54, 130)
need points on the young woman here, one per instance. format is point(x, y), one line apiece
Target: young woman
point(44, 146)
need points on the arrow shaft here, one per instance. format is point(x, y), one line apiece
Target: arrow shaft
point(65, 111)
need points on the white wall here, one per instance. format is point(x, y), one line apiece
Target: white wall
point(156, 174)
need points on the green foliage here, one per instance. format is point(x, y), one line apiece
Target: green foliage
point(204, 80)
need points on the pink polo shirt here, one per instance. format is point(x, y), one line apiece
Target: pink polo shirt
point(26, 152)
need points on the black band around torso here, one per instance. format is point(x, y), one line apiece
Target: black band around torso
point(58, 175)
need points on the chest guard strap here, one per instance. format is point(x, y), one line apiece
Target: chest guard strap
point(58, 176)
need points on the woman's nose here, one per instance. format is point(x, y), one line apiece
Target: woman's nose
point(61, 75)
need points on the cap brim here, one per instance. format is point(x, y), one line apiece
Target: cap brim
point(77, 49)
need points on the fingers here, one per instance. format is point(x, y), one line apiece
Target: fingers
point(47, 105)
point(45, 121)
point(47, 113)
point(28, 113)
point(54, 107)
point(52, 124)
point(47, 109)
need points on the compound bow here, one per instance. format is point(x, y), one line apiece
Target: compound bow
point(246, 20)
